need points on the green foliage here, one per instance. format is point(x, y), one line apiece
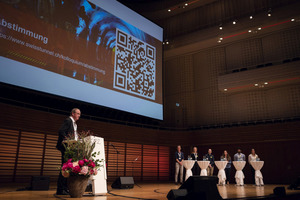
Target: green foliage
point(81, 149)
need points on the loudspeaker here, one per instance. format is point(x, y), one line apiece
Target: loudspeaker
point(123, 183)
point(177, 194)
point(40, 183)
point(202, 187)
point(295, 184)
point(279, 191)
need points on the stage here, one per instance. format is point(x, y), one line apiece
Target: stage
point(142, 191)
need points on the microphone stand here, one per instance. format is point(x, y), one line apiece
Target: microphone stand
point(118, 152)
point(132, 167)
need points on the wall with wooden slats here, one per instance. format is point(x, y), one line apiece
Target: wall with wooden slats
point(35, 155)
point(153, 148)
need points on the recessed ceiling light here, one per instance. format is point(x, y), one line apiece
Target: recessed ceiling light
point(266, 83)
point(234, 22)
point(186, 4)
point(292, 19)
point(225, 90)
point(169, 10)
point(256, 84)
point(251, 17)
point(259, 28)
point(249, 31)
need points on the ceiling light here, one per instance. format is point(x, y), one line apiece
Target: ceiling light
point(167, 42)
point(251, 17)
point(169, 10)
point(256, 84)
point(219, 41)
point(225, 90)
point(186, 4)
point(270, 12)
point(292, 19)
point(221, 38)
point(234, 22)
point(249, 31)
point(266, 83)
point(259, 28)
point(220, 27)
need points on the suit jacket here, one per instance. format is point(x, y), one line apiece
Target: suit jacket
point(194, 158)
point(65, 129)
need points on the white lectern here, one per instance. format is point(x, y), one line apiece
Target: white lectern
point(99, 181)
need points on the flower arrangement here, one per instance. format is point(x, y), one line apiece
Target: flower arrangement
point(80, 159)
point(82, 167)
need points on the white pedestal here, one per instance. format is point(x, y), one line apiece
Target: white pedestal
point(99, 181)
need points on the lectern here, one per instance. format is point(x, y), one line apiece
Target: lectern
point(99, 183)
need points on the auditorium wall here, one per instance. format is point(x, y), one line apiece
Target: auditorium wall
point(276, 143)
point(192, 81)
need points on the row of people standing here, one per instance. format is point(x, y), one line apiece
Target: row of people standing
point(239, 156)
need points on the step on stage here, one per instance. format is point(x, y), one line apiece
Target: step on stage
point(145, 191)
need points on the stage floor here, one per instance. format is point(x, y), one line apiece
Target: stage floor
point(140, 191)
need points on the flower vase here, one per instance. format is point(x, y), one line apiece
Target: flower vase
point(77, 185)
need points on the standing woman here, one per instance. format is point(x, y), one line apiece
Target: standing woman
point(195, 156)
point(226, 157)
point(251, 158)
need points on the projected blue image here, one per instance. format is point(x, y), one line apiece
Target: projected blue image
point(99, 26)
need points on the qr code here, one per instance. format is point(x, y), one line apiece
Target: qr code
point(134, 69)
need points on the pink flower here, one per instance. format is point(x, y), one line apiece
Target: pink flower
point(93, 171)
point(64, 167)
point(81, 162)
point(84, 170)
point(91, 164)
point(70, 165)
point(65, 174)
point(76, 169)
point(75, 164)
point(85, 160)
point(70, 160)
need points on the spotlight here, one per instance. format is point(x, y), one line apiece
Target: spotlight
point(256, 84)
point(225, 90)
point(266, 83)
point(163, 43)
point(269, 12)
point(221, 38)
point(259, 28)
point(219, 41)
point(169, 10)
point(251, 17)
point(234, 22)
point(167, 42)
point(249, 31)
point(292, 19)
point(186, 4)
point(220, 27)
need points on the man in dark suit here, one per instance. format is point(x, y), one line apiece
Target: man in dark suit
point(68, 127)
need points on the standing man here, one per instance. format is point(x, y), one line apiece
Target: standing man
point(239, 156)
point(69, 126)
point(179, 156)
point(211, 158)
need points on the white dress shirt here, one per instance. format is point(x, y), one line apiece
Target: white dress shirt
point(75, 128)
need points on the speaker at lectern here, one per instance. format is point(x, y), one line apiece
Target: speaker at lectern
point(99, 184)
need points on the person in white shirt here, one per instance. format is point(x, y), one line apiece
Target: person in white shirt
point(251, 158)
